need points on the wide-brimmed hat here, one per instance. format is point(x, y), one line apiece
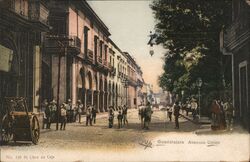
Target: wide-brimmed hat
point(69, 100)
point(53, 101)
point(79, 101)
point(193, 99)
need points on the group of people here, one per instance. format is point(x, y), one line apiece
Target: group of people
point(67, 113)
point(176, 107)
point(91, 115)
point(145, 113)
point(121, 117)
point(222, 115)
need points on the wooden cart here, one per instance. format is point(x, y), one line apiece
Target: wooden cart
point(18, 124)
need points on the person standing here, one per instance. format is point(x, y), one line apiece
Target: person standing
point(170, 112)
point(53, 108)
point(63, 116)
point(89, 116)
point(69, 110)
point(111, 117)
point(124, 115)
point(44, 105)
point(177, 114)
point(94, 114)
point(119, 117)
point(48, 113)
point(229, 113)
point(148, 112)
point(141, 115)
point(194, 107)
point(79, 109)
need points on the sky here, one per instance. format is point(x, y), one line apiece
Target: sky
point(130, 23)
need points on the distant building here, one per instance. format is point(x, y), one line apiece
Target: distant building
point(236, 42)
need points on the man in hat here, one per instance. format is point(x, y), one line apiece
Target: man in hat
point(89, 115)
point(69, 110)
point(124, 114)
point(147, 115)
point(177, 114)
point(63, 116)
point(93, 112)
point(50, 113)
point(229, 113)
point(79, 109)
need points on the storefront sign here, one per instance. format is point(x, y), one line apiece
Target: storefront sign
point(6, 56)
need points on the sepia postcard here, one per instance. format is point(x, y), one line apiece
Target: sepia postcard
point(124, 80)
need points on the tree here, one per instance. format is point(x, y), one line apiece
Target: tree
point(190, 29)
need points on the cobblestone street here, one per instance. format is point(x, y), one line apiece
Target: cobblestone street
point(80, 142)
point(79, 136)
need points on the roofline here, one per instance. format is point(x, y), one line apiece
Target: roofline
point(86, 8)
point(113, 43)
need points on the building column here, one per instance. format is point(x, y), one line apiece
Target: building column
point(36, 78)
point(73, 82)
point(85, 99)
point(97, 101)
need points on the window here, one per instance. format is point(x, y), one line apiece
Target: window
point(85, 46)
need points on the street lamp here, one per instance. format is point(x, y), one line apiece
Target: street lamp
point(199, 84)
point(151, 42)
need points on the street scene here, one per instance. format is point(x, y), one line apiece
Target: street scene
point(90, 80)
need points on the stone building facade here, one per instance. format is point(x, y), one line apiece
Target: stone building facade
point(82, 60)
point(236, 42)
point(22, 26)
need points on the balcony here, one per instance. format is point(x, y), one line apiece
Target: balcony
point(89, 57)
point(74, 45)
point(38, 12)
point(56, 44)
point(113, 71)
point(29, 14)
point(236, 34)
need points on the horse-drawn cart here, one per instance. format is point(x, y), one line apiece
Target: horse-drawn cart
point(18, 124)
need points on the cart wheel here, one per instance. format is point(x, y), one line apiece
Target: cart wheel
point(35, 130)
point(6, 132)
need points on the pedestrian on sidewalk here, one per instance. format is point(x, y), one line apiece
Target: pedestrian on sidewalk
point(119, 117)
point(94, 114)
point(89, 115)
point(141, 114)
point(177, 114)
point(216, 111)
point(69, 109)
point(229, 113)
point(44, 105)
point(170, 112)
point(79, 109)
point(194, 107)
point(53, 109)
point(124, 115)
point(63, 116)
point(147, 113)
point(111, 117)
point(49, 112)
